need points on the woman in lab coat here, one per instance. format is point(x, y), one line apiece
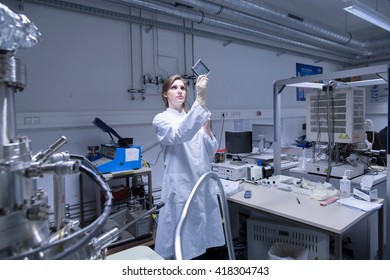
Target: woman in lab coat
point(189, 147)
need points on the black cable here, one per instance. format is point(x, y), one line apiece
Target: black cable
point(158, 156)
point(112, 138)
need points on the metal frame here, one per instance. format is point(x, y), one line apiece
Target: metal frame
point(225, 213)
point(279, 86)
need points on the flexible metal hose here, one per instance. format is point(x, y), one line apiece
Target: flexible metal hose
point(225, 213)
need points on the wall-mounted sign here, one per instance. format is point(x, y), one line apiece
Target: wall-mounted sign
point(305, 70)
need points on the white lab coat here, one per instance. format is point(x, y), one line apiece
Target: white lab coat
point(188, 154)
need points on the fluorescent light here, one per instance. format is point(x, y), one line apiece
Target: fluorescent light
point(307, 85)
point(320, 86)
point(368, 14)
point(367, 83)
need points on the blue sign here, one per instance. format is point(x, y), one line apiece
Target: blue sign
point(305, 70)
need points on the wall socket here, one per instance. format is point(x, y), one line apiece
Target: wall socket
point(230, 114)
point(32, 120)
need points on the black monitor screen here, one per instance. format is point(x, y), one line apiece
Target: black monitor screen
point(376, 140)
point(238, 142)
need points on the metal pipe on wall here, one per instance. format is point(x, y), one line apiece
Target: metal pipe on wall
point(264, 44)
point(200, 17)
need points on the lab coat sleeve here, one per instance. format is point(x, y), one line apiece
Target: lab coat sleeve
point(171, 131)
point(210, 144)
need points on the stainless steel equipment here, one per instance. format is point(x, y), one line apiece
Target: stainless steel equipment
point(25, 232)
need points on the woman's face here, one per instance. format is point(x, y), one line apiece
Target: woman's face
point(176, 95)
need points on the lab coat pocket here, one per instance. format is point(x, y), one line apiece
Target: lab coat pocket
point(180, 187)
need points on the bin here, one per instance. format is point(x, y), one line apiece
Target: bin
point(285, 251)
point(262, 234)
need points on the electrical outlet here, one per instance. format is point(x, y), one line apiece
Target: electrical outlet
point(32, 120)
point(236, 114)
point(27, 120)
point(224, 114)
point(35, 120)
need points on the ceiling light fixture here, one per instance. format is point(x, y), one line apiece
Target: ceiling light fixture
point(320, 86)
point(368, 14)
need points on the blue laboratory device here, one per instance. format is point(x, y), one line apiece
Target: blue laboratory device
point(120, 156)
point(116, 158)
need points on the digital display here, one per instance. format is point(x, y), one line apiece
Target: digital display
point(200, 68)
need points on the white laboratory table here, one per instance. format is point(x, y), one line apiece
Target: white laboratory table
point(379, 183)
point(333, 220)
point(378, 179)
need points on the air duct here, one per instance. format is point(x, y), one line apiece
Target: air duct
point(326, 46)
point(257, 22)
point(199, 17)
point(262, 33)
point(269, 12)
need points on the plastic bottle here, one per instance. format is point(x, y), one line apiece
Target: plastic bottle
point(345, 185)
point(303, 160)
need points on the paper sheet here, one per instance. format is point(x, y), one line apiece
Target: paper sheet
point(230, 187)
point(359, 204)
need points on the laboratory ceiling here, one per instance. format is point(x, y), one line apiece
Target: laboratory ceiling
point(318, 29)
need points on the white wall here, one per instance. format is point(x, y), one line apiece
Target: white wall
point(84, 66)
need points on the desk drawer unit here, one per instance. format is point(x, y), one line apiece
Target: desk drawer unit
point(261, 234)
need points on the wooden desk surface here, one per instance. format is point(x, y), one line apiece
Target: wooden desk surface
point(334, 218)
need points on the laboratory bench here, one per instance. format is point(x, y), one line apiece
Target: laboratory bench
point(300, 215)
point(142, 230)
point(379, 183)
point(127, 175)
point(379, 179)
point(120, 185)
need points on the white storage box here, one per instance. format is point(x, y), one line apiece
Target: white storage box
point(261, 234)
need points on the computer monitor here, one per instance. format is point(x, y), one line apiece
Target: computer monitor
point(374, 137)
point(383, 136)
point(238, 142)
point(377, 138)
